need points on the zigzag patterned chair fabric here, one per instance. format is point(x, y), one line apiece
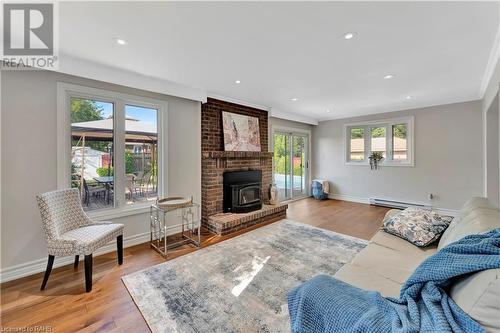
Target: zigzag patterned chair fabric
point(70, 232)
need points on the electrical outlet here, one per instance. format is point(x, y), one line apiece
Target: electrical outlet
point(431, 196)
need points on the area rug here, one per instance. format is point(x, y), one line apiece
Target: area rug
point(239, 285)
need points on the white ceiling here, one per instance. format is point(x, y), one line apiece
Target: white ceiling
point(438, 52)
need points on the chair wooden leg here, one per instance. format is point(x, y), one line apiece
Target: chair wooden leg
point(77, 259)
point(88, 272)
point(119, 249)
point(50, 262)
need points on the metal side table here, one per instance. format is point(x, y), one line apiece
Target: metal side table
point(189, 227)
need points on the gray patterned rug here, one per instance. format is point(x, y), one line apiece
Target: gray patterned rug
point(238, 285)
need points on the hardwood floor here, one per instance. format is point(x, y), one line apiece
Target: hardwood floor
point(65, 307)
point(349, 218)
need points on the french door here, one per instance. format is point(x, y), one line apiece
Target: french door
point(291, 166)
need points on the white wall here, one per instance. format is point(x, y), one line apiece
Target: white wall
point(278, 122)
point(492, 153)
point(448, 158)
point(492, 87)
point(491, 127)
point(28, 161)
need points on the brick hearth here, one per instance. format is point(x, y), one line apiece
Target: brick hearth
point(224, 223)
point(216, 161)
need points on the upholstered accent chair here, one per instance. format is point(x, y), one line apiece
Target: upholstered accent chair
point(70, 232)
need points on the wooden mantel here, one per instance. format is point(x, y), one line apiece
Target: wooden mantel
point(215, 155)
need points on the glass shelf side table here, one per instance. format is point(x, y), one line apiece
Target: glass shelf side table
point(189, 226)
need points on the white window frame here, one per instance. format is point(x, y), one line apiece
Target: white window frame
point(65, 92)
point(387, 123)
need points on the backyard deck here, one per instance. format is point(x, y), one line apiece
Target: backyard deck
point(101, 202)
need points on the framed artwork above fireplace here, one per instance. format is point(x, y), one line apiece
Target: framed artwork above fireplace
point(241, 133)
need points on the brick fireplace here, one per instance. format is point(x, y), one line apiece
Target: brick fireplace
point(215, 162)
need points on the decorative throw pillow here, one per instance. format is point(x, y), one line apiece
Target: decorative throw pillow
point(418, 226)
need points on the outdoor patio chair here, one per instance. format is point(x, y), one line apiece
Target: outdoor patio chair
point(131, 185)
point(111, 192)
point(138, 178)
point(70, 232)
point(95, 190)
point(144, 185)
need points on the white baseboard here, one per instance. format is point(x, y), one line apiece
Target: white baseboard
point(442, 211)
point(39, 265)
point(349, 198)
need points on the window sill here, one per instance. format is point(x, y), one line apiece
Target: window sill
point(382, 165)
point(356, 163)
point(113, 213)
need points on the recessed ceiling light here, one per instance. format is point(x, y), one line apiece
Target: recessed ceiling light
point(120, 41)
point(295, 99)
point(389, 76)
point(349, 35)
point(328, 111)
point(408, 97)
point(237, 81)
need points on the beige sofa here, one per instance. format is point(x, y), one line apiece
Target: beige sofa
point(388, 261)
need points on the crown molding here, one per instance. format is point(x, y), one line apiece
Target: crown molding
point(272, 111)
point(239, 101)
point(293, 117)
point(493, 59)
point(71, 65)
point(382, 110)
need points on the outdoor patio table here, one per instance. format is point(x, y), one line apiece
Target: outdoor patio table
point(107, 181)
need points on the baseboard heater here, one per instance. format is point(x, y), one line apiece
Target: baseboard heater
point(395, 204)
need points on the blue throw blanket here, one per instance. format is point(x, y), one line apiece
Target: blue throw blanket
point(325, 304)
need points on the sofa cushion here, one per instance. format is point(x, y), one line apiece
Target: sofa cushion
point(479, 296)
point(473, 207)
point(475, 222)
point(364, 278)
point(475, 203)
point(393, 264)
point(384, 264)
point(418, 226)
point(393, 242)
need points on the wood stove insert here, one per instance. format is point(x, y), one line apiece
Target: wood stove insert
point(242, 191)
